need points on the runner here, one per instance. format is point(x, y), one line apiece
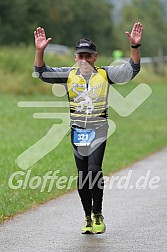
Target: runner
point(87, 88)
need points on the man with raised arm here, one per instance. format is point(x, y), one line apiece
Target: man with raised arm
point(87, 88)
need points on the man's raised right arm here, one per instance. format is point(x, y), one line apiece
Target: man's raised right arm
point(41, 43)
point(46, 73)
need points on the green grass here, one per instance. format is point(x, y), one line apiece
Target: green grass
point(141, 133)
point(16, 68)
point(136, 136)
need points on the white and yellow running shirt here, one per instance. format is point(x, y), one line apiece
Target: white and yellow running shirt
point(88, 95)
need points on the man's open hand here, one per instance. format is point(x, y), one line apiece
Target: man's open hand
point(136, 34)
point(40, 39)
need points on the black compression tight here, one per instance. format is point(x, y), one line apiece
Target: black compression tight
point(90, 178)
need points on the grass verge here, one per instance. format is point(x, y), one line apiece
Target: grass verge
point(136, 136)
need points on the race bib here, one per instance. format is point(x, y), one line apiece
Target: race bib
point(83, 137)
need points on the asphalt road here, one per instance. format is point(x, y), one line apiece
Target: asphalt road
point(135, 211)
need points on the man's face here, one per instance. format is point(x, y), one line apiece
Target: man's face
point(86, 61)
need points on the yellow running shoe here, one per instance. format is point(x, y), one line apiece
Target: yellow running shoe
point(87, 228)
point(98, 224)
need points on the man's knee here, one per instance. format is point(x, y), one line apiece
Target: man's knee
point(95, 170)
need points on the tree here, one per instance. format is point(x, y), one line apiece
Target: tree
point(65, 21)
point(18, 19)
point(150, 13)
point(72, 20)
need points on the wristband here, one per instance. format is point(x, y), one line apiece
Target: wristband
point(135, 46)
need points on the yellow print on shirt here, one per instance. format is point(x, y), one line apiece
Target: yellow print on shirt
point(86, 98)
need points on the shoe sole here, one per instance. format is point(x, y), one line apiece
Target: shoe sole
point(99, 232)
point(87, 232)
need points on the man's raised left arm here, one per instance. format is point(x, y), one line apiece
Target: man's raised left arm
point(135, 41)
